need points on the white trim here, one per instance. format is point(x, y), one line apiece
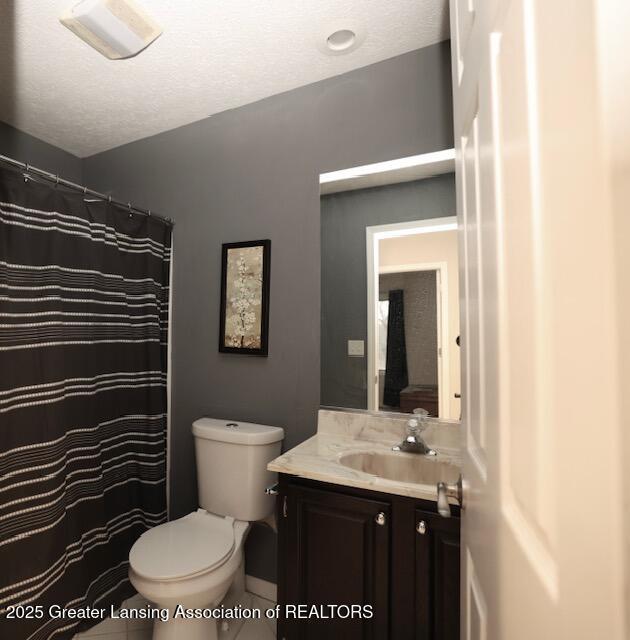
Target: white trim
point(373, 237)
point(373, 259)
point(395, 171)
point(261, 588)
point(413, 266)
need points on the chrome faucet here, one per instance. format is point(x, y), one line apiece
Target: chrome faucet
point(413, 443)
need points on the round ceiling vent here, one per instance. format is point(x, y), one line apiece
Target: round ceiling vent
point(338, 39)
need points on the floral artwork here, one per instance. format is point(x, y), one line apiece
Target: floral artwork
point(244, 297)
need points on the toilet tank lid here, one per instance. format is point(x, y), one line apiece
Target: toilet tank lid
point(236, 432)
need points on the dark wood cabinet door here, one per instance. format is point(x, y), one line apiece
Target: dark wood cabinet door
point(437, 576)
point(335, 552)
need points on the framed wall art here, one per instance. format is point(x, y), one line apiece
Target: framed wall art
point(244, 322)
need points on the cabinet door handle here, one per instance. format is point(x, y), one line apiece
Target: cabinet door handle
point(421, 527)
point(380, 518)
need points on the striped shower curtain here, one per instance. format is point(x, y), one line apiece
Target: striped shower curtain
point(83, 332)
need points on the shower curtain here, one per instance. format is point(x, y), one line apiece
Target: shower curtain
point(396, 378)
point(83, 355)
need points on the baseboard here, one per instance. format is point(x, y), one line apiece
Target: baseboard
point(262, 588)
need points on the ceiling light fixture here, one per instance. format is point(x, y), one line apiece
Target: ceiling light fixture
point(337, 38)
point(341, 40)
point(116, 28)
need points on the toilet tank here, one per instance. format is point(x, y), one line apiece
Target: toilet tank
point(232, 460)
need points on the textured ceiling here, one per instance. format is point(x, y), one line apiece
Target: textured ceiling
point(213, 55)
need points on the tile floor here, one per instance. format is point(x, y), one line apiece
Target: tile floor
point(111, 629)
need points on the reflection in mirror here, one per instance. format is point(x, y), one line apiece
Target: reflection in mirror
point(413, 283)
point(390, 297)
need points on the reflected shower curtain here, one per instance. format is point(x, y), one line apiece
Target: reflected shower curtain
point(83, 332)
point(396, 378)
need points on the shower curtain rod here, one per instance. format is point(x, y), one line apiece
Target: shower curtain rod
point(28, 168)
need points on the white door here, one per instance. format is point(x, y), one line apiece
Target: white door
point(542, 547)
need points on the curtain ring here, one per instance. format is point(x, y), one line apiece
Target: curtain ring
point(84, 191)
point(109, 199)
point(57, 180)
point(129, 207)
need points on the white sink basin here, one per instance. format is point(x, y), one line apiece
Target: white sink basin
point(402, 467)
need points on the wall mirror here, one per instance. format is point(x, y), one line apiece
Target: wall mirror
point(390, 287)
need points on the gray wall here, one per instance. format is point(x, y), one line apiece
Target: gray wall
point(26, 148)
point(344, 217)
point(249, 174)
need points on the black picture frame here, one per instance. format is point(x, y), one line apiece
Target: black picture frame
point(265, 288)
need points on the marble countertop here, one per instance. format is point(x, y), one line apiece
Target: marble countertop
point(340, 433)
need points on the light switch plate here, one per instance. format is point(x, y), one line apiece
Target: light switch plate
point(356, 348)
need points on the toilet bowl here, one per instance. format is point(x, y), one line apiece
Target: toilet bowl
point(192, 562)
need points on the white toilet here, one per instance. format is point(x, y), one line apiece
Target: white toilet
point(194, 560)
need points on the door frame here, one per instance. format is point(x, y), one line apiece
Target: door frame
point(373, 236)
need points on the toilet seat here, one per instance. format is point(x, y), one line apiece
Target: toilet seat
point(197, 543)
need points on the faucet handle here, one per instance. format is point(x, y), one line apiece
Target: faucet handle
point(417, 424)
point(420, 418)
point(443, 507)
point(446, 491)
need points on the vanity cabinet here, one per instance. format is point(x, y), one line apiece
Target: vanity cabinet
point(340, 545)
point(336, 553)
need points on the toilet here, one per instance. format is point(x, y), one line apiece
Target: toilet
point(195, 560)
